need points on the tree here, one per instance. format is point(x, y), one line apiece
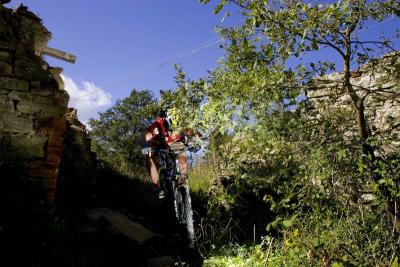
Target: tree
point(116, 130)
point(307, 163)
point(275, 31)
point(292, 28)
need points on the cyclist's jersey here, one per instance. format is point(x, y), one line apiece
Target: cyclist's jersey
point(161, 132)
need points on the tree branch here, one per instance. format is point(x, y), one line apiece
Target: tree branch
point(374, 42)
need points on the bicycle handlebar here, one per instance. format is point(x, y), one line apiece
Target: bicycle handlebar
point(151, 150)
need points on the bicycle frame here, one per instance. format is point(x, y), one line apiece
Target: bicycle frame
point(169, 172)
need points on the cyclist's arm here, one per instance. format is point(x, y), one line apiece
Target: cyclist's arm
point(154, 134)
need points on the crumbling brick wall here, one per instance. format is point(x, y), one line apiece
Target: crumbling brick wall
point(77, 172)
point(33, 103)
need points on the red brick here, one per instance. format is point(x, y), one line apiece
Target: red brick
point(44, 165)
point(51, 196)
point(54, 147)
point(44, 130)
point(56, 138)
point(59, 124)
point(53, 157)
point(49, 182)
point(45, 173)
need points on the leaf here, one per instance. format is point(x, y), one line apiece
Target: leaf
point(395, 262)
point(273, 224)
point(382, 181)
point(337, 264)
point(374, 187)
point(287, 223)
point(341, 154)
point(218, 8)
point(361, 167)
point(314, 45)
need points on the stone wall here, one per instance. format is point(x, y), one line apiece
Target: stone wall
point(33, 103)
point(378, 82)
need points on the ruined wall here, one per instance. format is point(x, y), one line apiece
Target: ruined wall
point(33, 103)
point(77, 174)
point(379, 83)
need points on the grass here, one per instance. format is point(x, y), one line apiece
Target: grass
point(200, 177)
point(318, 240)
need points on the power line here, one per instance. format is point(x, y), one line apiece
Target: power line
point(156, 65)
point(159, 64)
point(185, 53)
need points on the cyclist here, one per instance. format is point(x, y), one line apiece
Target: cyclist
point(160, 135)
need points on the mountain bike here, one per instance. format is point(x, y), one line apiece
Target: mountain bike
point(176, 187)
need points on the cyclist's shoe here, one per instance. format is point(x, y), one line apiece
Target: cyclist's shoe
point(160, 194)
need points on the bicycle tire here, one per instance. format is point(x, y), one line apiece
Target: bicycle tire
point(185, 212)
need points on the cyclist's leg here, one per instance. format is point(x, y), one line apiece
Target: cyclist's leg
point(155, 177)
point(150, 160)
point(152, 169)
point(183, 163)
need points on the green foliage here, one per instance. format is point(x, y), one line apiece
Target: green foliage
point(313, 175)
point(329, 239)
point(309, 166)
point(116, 131)
point(200, 176)
point(238, 256)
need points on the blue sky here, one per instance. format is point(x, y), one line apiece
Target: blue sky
point(115, 40)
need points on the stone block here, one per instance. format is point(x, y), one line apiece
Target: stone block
point(51, 106)
point(55, 73)
point(30, 70)
point(5, 69)
point(5, 104)
point(35, 85)
point(14, 123)
point(23, 48)
point(53, 110)
point(42, 93)
point(28, 146)
point(27, 107)
point(20, 96)
point(8, 45)
point(32, 103)
point(14, 84)
point(5, 56)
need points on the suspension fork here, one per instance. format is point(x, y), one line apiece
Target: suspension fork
point(175, 189)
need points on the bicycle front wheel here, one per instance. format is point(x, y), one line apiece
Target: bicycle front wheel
point(184, 211)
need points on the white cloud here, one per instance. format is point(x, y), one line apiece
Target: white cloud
point(87, 98)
